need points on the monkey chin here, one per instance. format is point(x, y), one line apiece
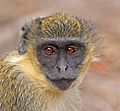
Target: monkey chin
point(62, 84)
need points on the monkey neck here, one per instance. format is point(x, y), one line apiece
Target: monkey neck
point(46, 97)
point(68, 101)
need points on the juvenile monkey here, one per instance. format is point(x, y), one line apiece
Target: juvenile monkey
point(53, 55)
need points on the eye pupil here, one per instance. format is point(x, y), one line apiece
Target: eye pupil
point(49, 50)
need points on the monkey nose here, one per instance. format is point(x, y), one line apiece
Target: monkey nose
point(62, 68)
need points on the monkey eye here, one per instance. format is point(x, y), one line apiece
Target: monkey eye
point(71, 50)
point(49, 50)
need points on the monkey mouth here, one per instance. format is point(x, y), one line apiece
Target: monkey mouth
point(62, 84)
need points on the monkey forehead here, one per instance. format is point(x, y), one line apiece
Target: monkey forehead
point(61, 41)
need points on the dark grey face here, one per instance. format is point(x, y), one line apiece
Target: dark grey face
point(61, 60)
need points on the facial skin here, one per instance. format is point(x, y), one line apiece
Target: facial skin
point(61, 59)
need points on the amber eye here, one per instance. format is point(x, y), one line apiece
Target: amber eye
point(49, 50)
point(71, 50)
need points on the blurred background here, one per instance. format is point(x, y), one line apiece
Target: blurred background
point(100, 89)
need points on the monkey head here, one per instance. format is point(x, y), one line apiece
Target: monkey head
point(61, 46)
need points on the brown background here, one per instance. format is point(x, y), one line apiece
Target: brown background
point(100, 90)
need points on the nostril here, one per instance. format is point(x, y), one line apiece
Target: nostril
point(58, 69)
point(66, 68)
point(62, 69)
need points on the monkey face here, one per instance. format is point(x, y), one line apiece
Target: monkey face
point(63, 46)
point(61, 60)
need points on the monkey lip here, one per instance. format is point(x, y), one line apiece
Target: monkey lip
point(62, 84)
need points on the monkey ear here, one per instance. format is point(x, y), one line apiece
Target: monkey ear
point(23, 40)
point(22, 45)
